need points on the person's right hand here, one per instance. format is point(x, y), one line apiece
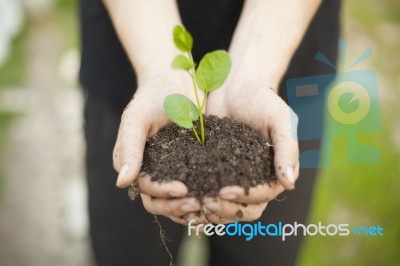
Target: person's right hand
point(142, 118)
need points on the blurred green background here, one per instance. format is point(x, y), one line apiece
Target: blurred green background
point(365, 194)
point(38, 76)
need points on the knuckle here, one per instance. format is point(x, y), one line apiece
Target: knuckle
point(232, 212)
point(143, 188)
point(253, 215)
point(174, 211)
point(223, 210)
point(149, 207)
point(213, 218)
point(257, 214)
point(172, 208)
point(267, 198)
point(263, 196)
point(147, 188)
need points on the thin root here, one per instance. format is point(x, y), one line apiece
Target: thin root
point(163, 240)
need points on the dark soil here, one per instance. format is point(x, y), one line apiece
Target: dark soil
point(234, 154)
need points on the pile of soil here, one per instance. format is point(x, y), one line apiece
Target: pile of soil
point(234, 154)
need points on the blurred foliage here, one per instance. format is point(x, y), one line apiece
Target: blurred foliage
point(364, 194)
point(66, 14)
point(66, 6)
point(371, 13)
point(377, 22)
point(12, 71)
point(5, 119)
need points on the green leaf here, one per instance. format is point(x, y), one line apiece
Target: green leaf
point(182, 38)
point(213, 70)
point(181, 62)
point(181, 110)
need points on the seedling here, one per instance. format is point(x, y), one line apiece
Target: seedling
point(210, 75)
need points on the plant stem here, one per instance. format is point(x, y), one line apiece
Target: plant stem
point(193, 76)
point(195, 133)
point(204, 100)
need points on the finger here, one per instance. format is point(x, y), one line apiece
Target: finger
point(259, 194)
point(178, 220)
point(193, 217)
point(284, 137)
point(215, 219)
point(173, 189)
point(116, 160)
point(131, 142)
point(252, 212)
point(184, 221)
point(214, 105)
point(170, 207)
point(223, 208)
point(234, 211)
point(196, 218)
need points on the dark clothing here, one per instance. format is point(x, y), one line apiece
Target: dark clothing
point(122, 232)
point(108, 75)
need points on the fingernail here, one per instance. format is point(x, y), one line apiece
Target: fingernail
point(188, 208)
point(228, 196)
point(290, 174)
point(213, 206)
point(122, 174)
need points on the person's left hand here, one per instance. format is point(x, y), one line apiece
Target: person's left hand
point(261, 108)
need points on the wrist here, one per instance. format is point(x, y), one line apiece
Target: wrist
point(244, 78)
point(164, 76)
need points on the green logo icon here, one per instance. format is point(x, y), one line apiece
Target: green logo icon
point(348, 102)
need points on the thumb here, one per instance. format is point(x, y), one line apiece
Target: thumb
point(129, 150)
point(283, 134)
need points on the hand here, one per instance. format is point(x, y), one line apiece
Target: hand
point(168, 199)
point(142, 118)
point(262, 109)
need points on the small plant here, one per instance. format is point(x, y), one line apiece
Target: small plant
point(210, 75)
